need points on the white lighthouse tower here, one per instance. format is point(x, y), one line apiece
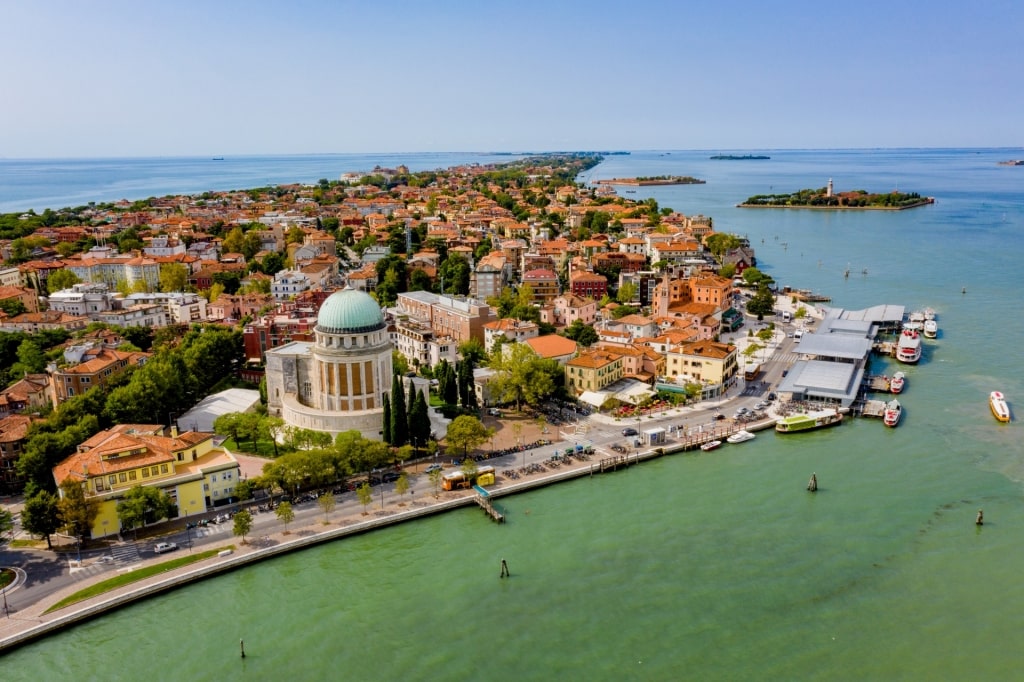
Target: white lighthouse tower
point(828, 192)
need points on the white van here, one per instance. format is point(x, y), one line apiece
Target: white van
point(797, 334)
point(786, 316)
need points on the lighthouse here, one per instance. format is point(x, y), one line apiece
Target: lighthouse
point(828, 192)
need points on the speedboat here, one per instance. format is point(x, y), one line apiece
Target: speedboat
point(908, 348)
point(893, 412)
point(997, 403)
point(711, 445)
point(931, 329)
point(897, 382)
point(740, 437)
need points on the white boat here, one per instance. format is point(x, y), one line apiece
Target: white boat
point(931, 329)
point(711, 445)
point(893, 412)
point(997, 403)
point(740, 437)
point(908, 348)
point(897, 382)
point(929, 314)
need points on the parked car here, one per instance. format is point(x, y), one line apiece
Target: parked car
point(629, 432)
point(771, 397)
point(391, 477)
point(494, 412)
point(162, 547)
point(761, 405)
point(433, 467)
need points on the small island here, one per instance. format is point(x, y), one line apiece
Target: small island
point(739, 157)
point(655, 180)
point(826, 198)
point(1012, 162)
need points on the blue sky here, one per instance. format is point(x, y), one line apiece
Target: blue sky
point(110, 78)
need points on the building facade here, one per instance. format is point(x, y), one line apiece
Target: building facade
point(336, 382)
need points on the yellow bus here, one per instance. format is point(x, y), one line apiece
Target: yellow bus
point(456, 480)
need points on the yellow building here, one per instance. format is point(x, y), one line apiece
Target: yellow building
point(705, 362)
point(592, 371)
point(194, 474)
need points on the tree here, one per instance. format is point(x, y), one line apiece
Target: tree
point(410, 402)
point(387, 437)
point(76, 511)
point(467, 389)
point(522, 376)
point(419, 421)
point(173, 277)
point(469, 469)
point(435, 481)
point(399, 418)
point(402, 485)
point(243, 524)
point(61, 279)
point(7, 524)
point(465, 433)
point(583, 334)
point(285, 514)
point(244, 489)
point(455, 274)
point(627, 292)
point(365, 495)
point(762, 303)
point(473, 349)
point(399, 365)
point(143, 504)
point(41, 515)
point(327, 504)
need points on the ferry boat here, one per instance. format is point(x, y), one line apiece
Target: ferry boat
point(740, 437)
point(711, 445)
point(808, 422)
point(997, 403)
point(893, 412)
point(931, 329)
point(897, 382)
point(908, 348)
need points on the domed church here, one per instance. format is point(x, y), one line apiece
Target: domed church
point(337, 381)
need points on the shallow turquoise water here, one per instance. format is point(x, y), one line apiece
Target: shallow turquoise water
point(710, 566)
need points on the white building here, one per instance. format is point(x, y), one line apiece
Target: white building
point(336, 382)
point(289, 283)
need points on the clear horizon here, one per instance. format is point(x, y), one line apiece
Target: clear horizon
point(114, 79)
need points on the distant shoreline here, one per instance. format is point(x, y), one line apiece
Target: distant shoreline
point(636, 182)
point(923, 202)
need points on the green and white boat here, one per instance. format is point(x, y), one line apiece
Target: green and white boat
point(809, 421)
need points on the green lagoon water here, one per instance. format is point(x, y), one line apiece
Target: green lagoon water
point(709, 566)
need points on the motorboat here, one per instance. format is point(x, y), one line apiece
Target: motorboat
point(711, 445)
point(897, 382)
point(908, 348)
point(741, 436)
point(931, 329)
point(893, 413)
point(997, 403)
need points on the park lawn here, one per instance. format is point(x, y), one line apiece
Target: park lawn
point(134, 576)
point(264, 448)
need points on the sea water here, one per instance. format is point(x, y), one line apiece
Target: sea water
point(699, 566)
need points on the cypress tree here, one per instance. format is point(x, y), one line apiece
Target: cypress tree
point(419, 421)
point(451, 386)
point(410, 401)
point(387, 419)
point(399, 418)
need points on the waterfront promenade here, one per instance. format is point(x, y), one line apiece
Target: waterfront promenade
point(29, 621)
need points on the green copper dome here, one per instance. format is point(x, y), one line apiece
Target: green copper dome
point(349, 312)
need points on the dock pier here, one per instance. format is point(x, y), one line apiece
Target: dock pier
point(483, 498)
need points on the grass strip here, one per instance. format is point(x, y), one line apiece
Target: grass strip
point(134, 576)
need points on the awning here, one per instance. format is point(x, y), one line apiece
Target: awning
point(595, 398)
